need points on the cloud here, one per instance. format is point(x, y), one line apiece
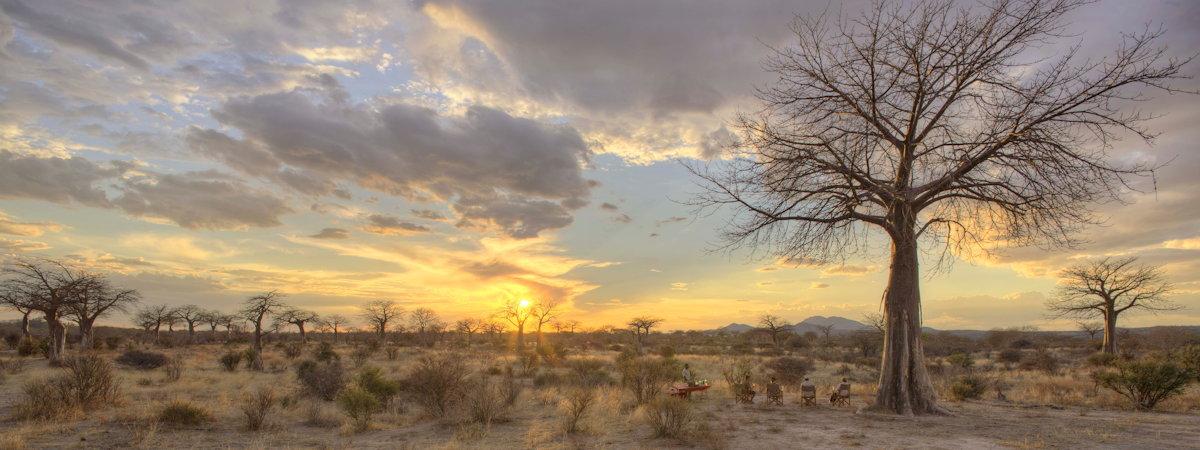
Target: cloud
point(57, 180)
point(679, 286)
point(383, 224)
point(17, 246)
point(608, 206)
point(71, 32)
point(27, 229)
point(848, 270)
point(428, 214)
point(331, 233)
point(818, 285)
point(496, 170)
point(492, 269)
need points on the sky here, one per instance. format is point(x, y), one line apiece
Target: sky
point(456, 154)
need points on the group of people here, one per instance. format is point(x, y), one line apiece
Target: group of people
point(744, 391)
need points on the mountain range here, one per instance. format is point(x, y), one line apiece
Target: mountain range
point(814, 324)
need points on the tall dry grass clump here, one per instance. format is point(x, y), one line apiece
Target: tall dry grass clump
point(436, 382)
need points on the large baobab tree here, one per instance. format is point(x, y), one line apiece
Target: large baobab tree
point(298, 317)
point(516, 313)
point(98, 298)
point(641, 326)
point(933, 121)
point(776, 326)
point(380, 313)
point(191, 315)
point(50, 287)
point(256, 309)
point(1107, 288)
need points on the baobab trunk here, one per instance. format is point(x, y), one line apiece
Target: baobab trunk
point(256, 362)
point(86, 341)
point(904, 386)
point(191, 334)
point(521, 339)
point(58, 340)
point(1110, 332)
point(303, 337)
point(25, 324)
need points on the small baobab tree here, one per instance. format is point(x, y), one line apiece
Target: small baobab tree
point(543, 312)
point(426, 324)
point(516, 313)
point(335, 322)
point(931, 121)
point(641, 326)
point(468, 327)
point(298, 317)
point(256, 310)
point(1108, 287)
point(11, 299)
point(98, 298)
point(50, 287)
point(151, 319)
point(380, 314)
point(190, 315)
point(776, 326)
point(1090, 328)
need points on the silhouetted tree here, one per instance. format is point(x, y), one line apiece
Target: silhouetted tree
point(517, 313)
point(929, 120)
point(256, 309)
point(47, 286)
point(98, 298)
point(190, 315)
point(775, 326)
point(381, 313)
point(298, 317)
point(641, 326)
point(1108, 287)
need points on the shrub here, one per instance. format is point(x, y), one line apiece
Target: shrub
point(29, 346)
point(1009, 356)
point(322, 380)
point(736, 371)
point(391, 352)
point(293, 350)
point(1188, 356)
point(1040, 360)
point(666, 351)
point(547, 378)
point(644, 376)
point(1021, 343)
point(325, 352)
point(1145, 383)
point(575, 405)
point(588, 372)
point(174, 369)
point(249, 356)
point(113, 342)
point(669, 416)
point(229, 361)
point(509, 387)
point(1101, 359)
point(258, 406)
point(968, 387)
point(790, 371)
point(486, 403)
point(92, 381)
point(436, 381)
point(142, 360)
point(371, 379)
point(359, 406)
point(181, 413)
point(47, 399)
point(961, 360)
point(360, 355)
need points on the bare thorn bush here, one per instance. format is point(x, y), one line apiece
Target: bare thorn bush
point(436, 382)
point(258, 406)
point(575, 405)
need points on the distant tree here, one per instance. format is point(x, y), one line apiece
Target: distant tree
point(298, 317)
point(1108, 287)
point(571, 325)
point(191, 315)
point(426, 324)
point(641, 326)
point(493, 329)
point(380, 314)
point(775, 326)
point(468, 327)
point(256, 310)
point(930, 120)
point(11, 300)
point(517, 313)
point(334, 321)
point(231, 322)
point(1090, 328)
point(875, 320)
point(543, 312)
point(98, 298)
point(212, 319)
point(151, 319)
point(47, 286)
point(826, 332)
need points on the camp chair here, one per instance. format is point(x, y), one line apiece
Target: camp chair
point(774, 394)
point(808, 395)
point(744, 393)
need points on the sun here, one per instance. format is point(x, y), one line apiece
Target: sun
point(524, 303)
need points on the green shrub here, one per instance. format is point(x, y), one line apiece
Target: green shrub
point(142, 360)
point(961, 360)
point(1145, 383)
point(968, 387)
point(371, 379)
point(669, 417)
point(181, 413)
point(1188, 356)
point(1101, 359)
point(436, 382)
point(359, 406)
point(323, 380)
point(229, 361)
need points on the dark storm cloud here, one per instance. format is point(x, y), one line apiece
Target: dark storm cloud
point(516, 174)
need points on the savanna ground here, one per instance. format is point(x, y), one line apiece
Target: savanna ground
point(1043, 409)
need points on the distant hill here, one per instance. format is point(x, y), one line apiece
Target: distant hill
point(735, 328)
point(813, 324)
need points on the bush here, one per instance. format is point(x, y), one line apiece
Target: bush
point(1042, 361)
point(575, 405)
point(1188, 356)
point(87, 382)
point(486, 403)
point(181, 413)
point(1009, 356)
point(360, 355)
point(293, 350)
point(249, 355)
point(790, 371)
point(371, 379)
point(509, 387)
point(588, 372)
point(968, 387)
point(961, 360)
point(47, 399)
point(436, 381)
point(29, 346)
point(1145, 383)
point(113, 342)
point(666, 351)
point(323, 380)
point(644, 376)
point(142, 360)
point(391, 352)
point(1101, 359)
point(325, 352)
point(359, 406)
point(174, 369)
point(669, 416)
point(257, 407)
point(735, 372)
point(229, 361)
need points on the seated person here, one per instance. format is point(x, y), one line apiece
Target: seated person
point(688, 377)
point(843, 389)
point(808, 391)
point(774, 392)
